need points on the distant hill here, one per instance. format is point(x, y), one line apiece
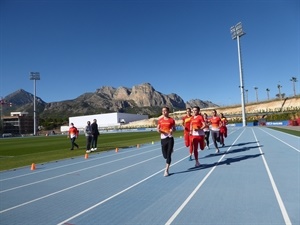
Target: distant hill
point(140, 99)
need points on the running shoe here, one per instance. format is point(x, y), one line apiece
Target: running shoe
point(190, 158)
point(166, 173)
point(197, 164)
point(88, 151)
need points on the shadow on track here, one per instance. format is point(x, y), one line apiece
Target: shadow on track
point(227, 161)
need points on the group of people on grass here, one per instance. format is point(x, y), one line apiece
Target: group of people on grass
point(197, 129)
point(91, 132)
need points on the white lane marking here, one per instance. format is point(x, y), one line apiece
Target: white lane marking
point(117, 194)
point(82, 183)
point(177, 212)
point(277, 194)
point(282, 140)
point(72, 172)
point(66, 165)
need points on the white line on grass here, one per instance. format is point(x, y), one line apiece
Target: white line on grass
point(278, 197)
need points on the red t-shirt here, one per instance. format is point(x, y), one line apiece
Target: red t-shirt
point(166, 125)
point(196, 124)
point(186, 122)
point(215, 123)
point(73, 132)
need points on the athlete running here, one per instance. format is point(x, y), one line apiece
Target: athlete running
point(196, 130)
point(186, 121)
point(215, 122)
point(206, 129)
point(223, 129)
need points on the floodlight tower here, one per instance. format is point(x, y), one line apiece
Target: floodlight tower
point(34, 76)
point(256, 94)
point(236, 33)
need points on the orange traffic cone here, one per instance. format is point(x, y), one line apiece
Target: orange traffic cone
point(32, 166)
point(86, 156)
point(117, 149)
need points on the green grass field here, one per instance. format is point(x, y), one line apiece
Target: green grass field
point(286, 130)
point(20, 152)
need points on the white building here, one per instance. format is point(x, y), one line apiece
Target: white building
point(104, 120)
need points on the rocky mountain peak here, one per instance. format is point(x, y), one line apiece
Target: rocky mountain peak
point(142, 99)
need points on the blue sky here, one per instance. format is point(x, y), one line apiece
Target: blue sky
point(179, 46)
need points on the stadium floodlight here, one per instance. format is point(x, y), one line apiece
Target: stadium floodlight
point(256, 94)
point(34, 76)
point(236, 33)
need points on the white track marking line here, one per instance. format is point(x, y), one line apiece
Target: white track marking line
point(72, 172)
point(70, 164)
point(282, 140)
point(82, 183)
point(115, 195)
point(276, 192)
point(177, 212)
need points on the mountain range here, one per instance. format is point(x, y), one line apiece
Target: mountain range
point(140, 99)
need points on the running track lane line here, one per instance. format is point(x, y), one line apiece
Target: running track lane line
point(58, 167)
point(173, 217)
point(276, 192)
point(76, 171)
point(77, 185)
point(117, 194)
point(282, 140)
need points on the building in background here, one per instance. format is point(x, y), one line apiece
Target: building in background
point(18, 123)
point(107, 120)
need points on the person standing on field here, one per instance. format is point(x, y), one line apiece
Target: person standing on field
point(166, 127)
point(186, 121)
point(95, 134)
point(73, 134)
point(88, 136)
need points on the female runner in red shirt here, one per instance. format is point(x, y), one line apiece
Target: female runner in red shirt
point(197, 125)
point(166, 127)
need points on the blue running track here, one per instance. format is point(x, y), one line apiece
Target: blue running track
point(254, 180)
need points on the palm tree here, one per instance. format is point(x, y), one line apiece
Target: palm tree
point(294, 80)
point(279, 90)
point(268, 90)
